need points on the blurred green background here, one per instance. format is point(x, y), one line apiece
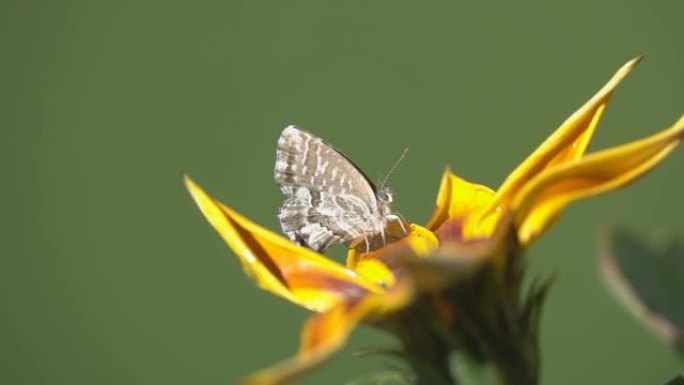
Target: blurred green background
point(108, 272)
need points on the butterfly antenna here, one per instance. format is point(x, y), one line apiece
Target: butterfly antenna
point(401, 157)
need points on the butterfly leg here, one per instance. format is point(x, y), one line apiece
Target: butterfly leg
point(367, 242)
point(403, 226)
point(398, 219)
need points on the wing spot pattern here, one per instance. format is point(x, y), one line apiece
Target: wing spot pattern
point(328, 199)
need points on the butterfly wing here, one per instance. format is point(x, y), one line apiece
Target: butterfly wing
point(329, 200)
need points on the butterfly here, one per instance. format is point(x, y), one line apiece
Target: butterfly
point(329, 200)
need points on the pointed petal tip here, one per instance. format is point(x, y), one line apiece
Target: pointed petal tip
point(680, 123)
point(678, 128)
point(187, 181)
point(195, 191)
point(674, 133)
point(622, 73)
point(629, 66)
point(637, 59)
point(446, 173)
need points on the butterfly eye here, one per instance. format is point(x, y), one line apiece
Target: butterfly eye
point(384, 195)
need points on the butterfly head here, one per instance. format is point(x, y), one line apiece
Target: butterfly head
point(384, 196)
point(383, 193)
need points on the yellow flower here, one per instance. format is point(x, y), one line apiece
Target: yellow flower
point(341, 296)
point(555, 174)
point(373, 286)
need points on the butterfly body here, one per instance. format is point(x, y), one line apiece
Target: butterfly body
point(329, 200)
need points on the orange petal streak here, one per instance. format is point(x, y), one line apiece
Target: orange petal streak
point(326, 332)
point(567, 143)
point(542, 200)
point(278, 265)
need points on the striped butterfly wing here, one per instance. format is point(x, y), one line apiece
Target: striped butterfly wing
point(328, 199)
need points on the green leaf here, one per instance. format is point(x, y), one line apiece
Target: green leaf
point(649, 280)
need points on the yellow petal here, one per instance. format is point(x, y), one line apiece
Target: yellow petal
point(458, 198)
point(375, 271)
point(422, 241)
point(566, 144)
point(278, 265)
point(542, 200)
point(326, 332)
point(457, 260)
